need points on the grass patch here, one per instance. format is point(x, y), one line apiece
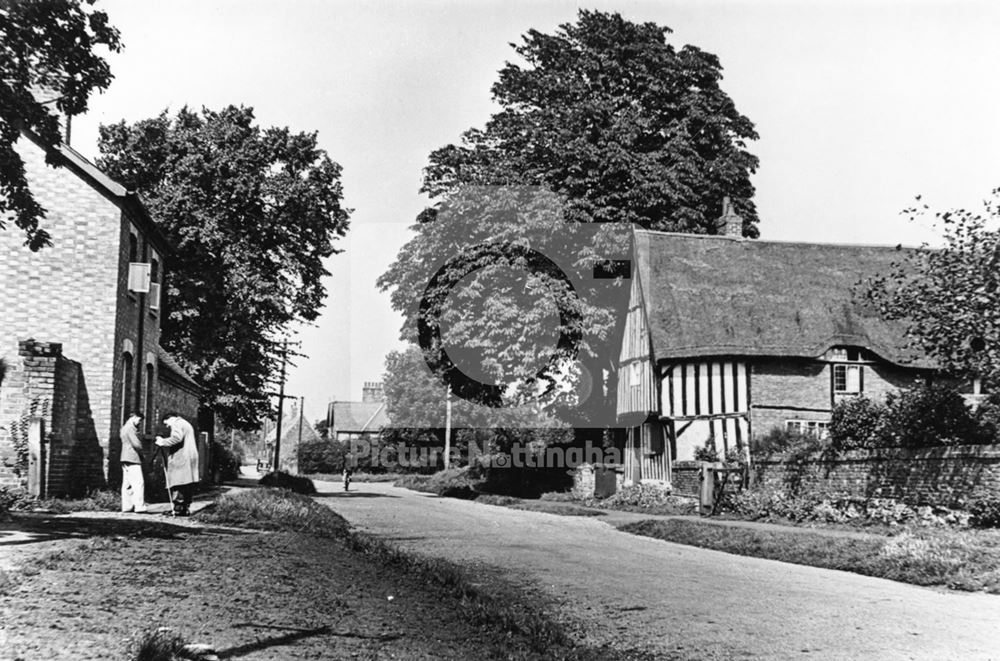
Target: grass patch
point(356, 477)
point(95, 501)
point(494, 499)
point(161, 644)
point(556, 507)
point(283, 480)
point(961, 560)
point(275, 509)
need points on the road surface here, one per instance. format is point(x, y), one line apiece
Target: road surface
point(634, 592)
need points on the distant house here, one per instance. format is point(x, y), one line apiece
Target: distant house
point(80, 324)
point(295, 430)
point(727, 339)
point(359, 420)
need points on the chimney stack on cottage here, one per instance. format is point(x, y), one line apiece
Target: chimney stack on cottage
point(372, 392)
point(729, 224)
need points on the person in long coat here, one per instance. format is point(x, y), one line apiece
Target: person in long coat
point(182, 461)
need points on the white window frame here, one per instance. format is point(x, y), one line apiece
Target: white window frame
point(816, 428)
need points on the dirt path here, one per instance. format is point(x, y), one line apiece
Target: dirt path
point(629, 591)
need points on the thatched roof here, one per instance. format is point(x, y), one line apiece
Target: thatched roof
point(717, 295)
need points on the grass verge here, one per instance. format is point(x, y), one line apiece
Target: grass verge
point(275, 509)
point(961, 560)
point(356, 477)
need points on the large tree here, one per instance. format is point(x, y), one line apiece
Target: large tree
point(49, 65)
point(627, 127)
point(621, 128)
point(252, 212)
point(949, 296)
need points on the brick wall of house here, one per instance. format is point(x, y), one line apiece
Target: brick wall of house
point(935, 476)
point(800, 389)
point(71, 293)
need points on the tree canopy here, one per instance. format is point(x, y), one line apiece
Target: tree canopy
point(950, 296)
point(614, 118)
point(48, 61)
point(252, 212)
point(614, 126)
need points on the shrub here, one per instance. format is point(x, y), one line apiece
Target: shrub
point(780, 439)
point(857, 422)
point(224, 463)
point(451, 483)
point(12, 498)
point(283, 480)
point(985, 513)
point(558, 496)
point(322, 457)
point(638, 495)
point(988, 417)
point(929, 416)
point(707, 453)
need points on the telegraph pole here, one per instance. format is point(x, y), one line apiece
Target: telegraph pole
point(302, 407)
point(447, 428)
point(281, 407)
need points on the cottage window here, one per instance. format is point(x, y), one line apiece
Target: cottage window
point(847, 379)
point(635, 375)
point(814, 428)
point(127, 402)
point(148, 412)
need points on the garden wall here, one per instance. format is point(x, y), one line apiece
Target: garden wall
point(933, 476)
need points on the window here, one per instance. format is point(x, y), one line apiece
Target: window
point(847, 379)
point(154, 285)
point(814, 428)
point(635, 375)
point(127, 377)
point(148, 408)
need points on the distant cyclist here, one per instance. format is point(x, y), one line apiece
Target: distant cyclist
point(347, 477)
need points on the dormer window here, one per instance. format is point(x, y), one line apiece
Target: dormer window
point(848, 369)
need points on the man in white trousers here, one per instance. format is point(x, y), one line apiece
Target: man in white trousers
point(133, 484)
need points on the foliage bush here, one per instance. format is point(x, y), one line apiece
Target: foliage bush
point(779, 439)
point(12, 498)
point(224, 463)
point(283, 480)
point(636, 495)
point(322, 457)
point(493, 499)
point(708, 452)
point(928, 416)
point(451, 483)
point(988, 416)
point(771, 504)
point(858, 422)
point(985, 513)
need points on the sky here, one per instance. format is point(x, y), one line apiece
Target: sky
point(859, 106)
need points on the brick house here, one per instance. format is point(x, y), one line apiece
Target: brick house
point(80, 324)
point(727, 338)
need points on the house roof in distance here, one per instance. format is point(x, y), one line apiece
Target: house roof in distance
point(719, 295)
point(359, 417)
point(172, 371)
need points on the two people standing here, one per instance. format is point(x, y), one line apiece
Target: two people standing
point(180, 450)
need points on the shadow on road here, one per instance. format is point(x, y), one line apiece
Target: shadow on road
point(29, 528)
point(353, 494)
point(292, 637)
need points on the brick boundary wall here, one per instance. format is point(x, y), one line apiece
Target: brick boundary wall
point(946, 476)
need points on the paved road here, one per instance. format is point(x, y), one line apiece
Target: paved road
point(636, 592)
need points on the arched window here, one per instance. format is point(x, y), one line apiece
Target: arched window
point(127, 380)
point(148, 411)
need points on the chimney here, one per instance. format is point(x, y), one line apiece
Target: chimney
point(372, 392)
point(729, 224)
point(49, 98)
